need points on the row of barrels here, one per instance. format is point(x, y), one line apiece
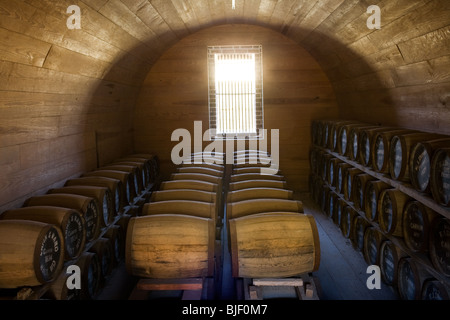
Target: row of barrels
point(370, 212)
point(269, 235)
point(418, 158)
point(82, 223)
point(175, 234)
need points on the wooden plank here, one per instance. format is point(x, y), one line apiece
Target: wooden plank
point(16, 47)
point(67, 61)
point(170, 284)
point(291, 282)
point(431, 45)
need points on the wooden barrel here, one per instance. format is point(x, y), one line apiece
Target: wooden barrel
point(334, 134)
point(372, 194)
point(344, 142)
point(116, 235)
point(255, 176)
point(355, 141)
point(258, 183)
point(219, 167)
point(358, 230)
point(340, 177)
point(103, 195)
point(416, 224)
point(440, 177)
point(133, 171)
point(381, 146)
point(69, 221)
point(104, 250)
point(249, 170)
point(411, 276)
point(433, 289)
point(196, 176)
point(141, 170)
point(189, 184)
point(324, 165)
point(184, 194)
point(170, 246)
point(390, 216)
point(32, 253)
point(255, 193)
point(350, 173)
point(115, 185)
point(91, 274)
point(123, 221)
point(149, 170)
point(212, 172)
point(88, 207)
point(184, 207)
point(255, 206)
point(399, 153)
point(371, 247)
point(366, 139)
point(390, 255)
point(152, 158)
point(420, 162)
point(328, 139)
point(358, 189)
point(332, 171)
point(339, 206)
point(331, 205)
point(124, 177)
point(440, 245)
point(274, 245)
point(347, 216)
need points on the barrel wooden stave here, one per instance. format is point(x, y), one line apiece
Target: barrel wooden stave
point(439, 245)
point(184, 207)
point(390, 255)
point(417, 219)
point(254, 206)
point(420, 162)
point(390, 216)
point(115, 185)
point(103, 195)
point(440, 177)
point(170, 246)
point(69, 221)
point(32, 253)
point(274, 245)
point(258, 183)
point(399, 153)
point(255, 193)
point(372, 194)
point(88, 207)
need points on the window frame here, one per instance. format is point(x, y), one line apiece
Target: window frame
point(259, 103)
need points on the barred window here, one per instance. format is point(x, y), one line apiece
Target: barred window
point(235, 91)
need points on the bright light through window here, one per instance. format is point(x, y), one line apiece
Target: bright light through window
point(235, 90)
point(235, 93)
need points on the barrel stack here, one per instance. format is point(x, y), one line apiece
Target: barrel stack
point(82, 223)
point(394, 185)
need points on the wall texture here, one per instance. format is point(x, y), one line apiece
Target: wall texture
point(67, 97)
point(175, 94)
